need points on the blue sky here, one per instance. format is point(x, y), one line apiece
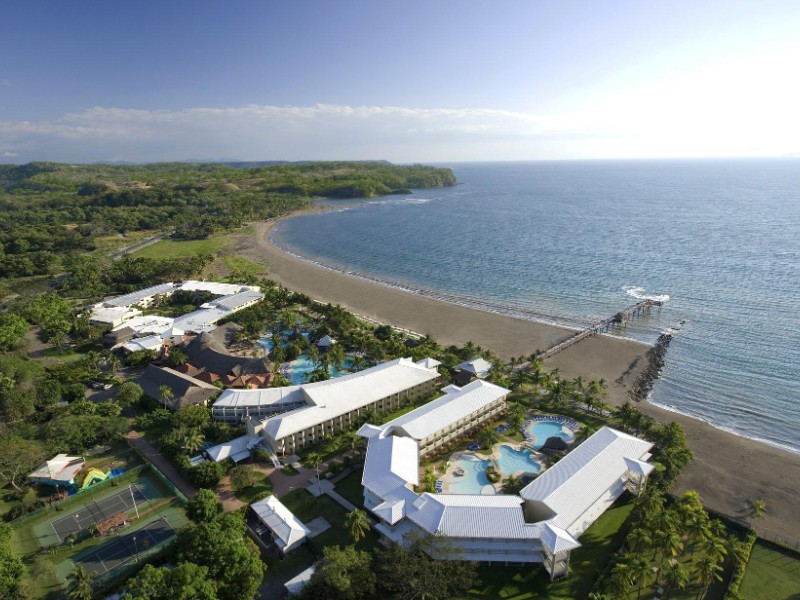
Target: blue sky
point(403, 81)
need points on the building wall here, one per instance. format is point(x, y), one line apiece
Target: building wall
point(295, 442)
point(472, 422)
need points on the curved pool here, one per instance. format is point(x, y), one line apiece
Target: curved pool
point(540, 431)
point(474, 480)
point(513, 461)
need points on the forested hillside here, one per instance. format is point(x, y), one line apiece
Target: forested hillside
point(52, 212)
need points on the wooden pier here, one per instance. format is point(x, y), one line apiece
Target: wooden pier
point(617, 321)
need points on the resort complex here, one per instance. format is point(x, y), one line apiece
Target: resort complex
point(540, 525)
point(305, 414)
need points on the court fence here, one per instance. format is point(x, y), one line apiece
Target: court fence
point(81, 497)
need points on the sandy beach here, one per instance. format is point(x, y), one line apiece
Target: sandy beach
point(728, 471)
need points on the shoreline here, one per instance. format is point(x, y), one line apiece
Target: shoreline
point(729, 470)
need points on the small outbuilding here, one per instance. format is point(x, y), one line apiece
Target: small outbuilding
point(326, 342)
point(286, 530)
point(60, 470)
point(470, 370)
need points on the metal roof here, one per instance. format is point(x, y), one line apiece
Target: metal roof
point(571, 486)
point(456, 404)
point(336, 397)
point(392, 462)
point(287, 528)
point(478, 366)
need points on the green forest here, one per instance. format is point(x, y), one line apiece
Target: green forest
point(52, 213)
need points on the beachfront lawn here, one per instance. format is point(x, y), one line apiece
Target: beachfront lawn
point(772, 574)
point(522, 583)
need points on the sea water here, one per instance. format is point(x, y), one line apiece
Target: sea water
point(572, 242)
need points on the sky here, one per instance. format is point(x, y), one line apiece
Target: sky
point(405, 81)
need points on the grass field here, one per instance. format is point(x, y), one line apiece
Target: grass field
point(181, 249)
point(772, 574)
point(254, 493)
point(351, 489)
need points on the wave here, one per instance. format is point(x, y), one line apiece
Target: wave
point(638, 293)
point(698, 417)
point(399, 202)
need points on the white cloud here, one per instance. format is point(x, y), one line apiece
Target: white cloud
point(640, 123)
point(10, 154)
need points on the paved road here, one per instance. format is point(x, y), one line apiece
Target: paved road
point(162, 464)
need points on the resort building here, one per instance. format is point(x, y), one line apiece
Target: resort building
point(122, 311)
point(470, 370)
point(286, 530)
point(459, 412)
point(312, 411)
point(541, 525)
point(186, 391)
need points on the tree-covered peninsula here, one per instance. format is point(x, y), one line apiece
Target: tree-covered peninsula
point(54, 212)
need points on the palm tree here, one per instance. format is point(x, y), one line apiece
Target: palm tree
point(625, 415)
point(708, 569)
point(639, 539)
point(759, 508)
point(314, 459)
point(358, 362)
point(191, 439)
point(357, 523)
point(487, 437)
point(620, 580)
point(80, 587)
point(512, 485)
point(353, 440)
point(165, 394)
point(516, 417)
point(674, 575)
point(641, 572)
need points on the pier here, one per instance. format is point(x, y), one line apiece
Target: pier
point(618, 320)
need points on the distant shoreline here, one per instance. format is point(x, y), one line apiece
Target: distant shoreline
point(729, 470)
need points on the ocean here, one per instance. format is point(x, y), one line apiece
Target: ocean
point(570, 242)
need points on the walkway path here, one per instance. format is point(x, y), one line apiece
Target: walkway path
point(162, 464)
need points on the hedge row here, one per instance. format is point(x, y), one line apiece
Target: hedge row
point(741, 566)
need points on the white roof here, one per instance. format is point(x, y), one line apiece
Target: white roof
point(392, 462)
point(287, 529)
point(478, 366)
point(326, 341)
point(473, 516)
point(335, 397)
point(571, 486)
point(235, 447)
point(456, 404)
point(233, 302)
point(556, 539)
point(201, 320)
point(151, 342)
point(113, 315)
point(429, 363)
point(297, 583)
point(233, 398)
point(214, 287)
point(139, 295)
point(149, 324)
point(60, 468)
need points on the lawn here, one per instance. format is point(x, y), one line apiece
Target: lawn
point(521, 583)
point(351, 489)
point(772, 574)
point(181, 248)
point(261, 489)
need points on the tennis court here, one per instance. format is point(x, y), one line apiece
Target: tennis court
point(95, 512)
point(126, 547)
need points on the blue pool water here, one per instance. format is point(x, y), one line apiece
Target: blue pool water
point(511, 461)
point(541, 430)
point(299, 369)
point(474, 479)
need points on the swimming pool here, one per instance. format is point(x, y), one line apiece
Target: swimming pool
point(539, 431)
point(474, 480)
point(513, 461)
point(298, 370)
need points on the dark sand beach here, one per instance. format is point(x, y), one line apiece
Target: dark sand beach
point(728, 471)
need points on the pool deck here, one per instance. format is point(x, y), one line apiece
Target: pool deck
point(449, 475)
